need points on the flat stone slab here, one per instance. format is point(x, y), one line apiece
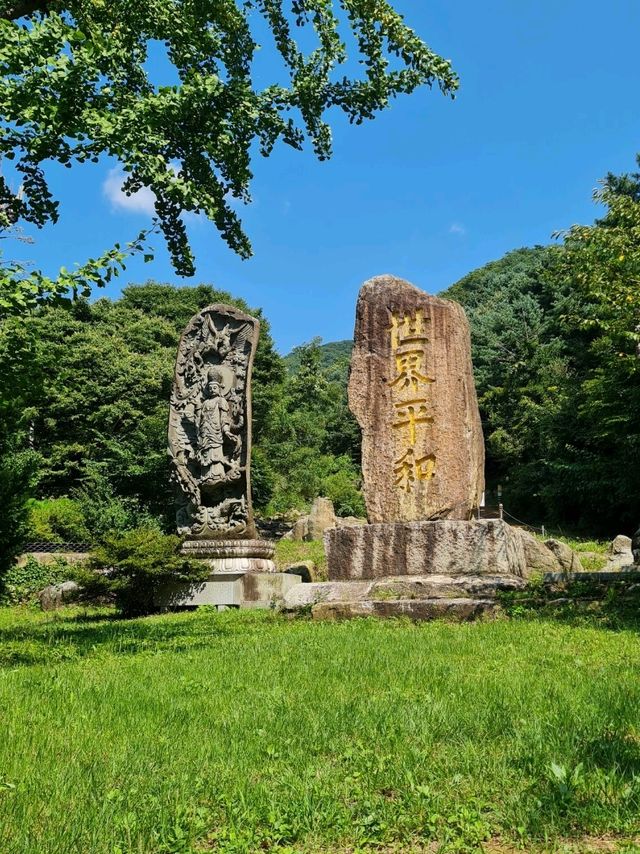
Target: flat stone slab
point(627, 575)
point(444, 547)
point(242, 590)
point(415, 609)
point(304, 596)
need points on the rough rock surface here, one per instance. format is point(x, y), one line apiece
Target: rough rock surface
point(411, 388)
point(538, 556)
point(322, 516)
point(306, 569)
point(444, 547)
point(400, 588)
point(57, 595)
point(620, 553)
point(567, 558)
point(314, 524)
point(419, 609)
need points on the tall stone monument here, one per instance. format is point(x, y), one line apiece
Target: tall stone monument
point(210, 452)
point(412, 391)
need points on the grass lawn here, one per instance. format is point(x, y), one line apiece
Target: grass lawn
point(245, 732)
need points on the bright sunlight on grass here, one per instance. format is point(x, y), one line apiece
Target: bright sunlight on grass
point(242, 732)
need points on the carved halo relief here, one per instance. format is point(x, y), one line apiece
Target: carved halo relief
point(209, 429)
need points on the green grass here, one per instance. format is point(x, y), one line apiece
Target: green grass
point(291, 551)
point(245, 732)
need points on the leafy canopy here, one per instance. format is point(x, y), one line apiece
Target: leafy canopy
point(75, 86)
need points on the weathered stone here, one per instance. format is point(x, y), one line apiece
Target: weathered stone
point(445, 547)
point(538, 556)
point(606, 579)
point(425, 609)
point(620, 554)
point(411, 388)
point(567, 558)
point(315, 523)
point(57, 595)
point(239, 590)
point(349, 521)
point(305, 595)
point(306, 569)
point(210, 424)
point(402, 588)
point(231, 556)
point(444, 586)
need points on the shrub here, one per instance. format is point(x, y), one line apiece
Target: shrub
point(134, 565)
point(57, 520)
point(17, 475)
point(22, 581)
point(104, 511)
point(341, 488)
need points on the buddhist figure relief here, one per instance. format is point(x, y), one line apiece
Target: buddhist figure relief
point(209, 424)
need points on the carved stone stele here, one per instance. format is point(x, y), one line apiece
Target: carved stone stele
point(210, 426)
point(412, 390)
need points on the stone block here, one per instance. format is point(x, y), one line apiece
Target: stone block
point(445, 547)
point(567, 558)
point(57, 595)
point(406, 587)
point(240, 590)
point(538, 556)
point(620, 554)
point(460, 610)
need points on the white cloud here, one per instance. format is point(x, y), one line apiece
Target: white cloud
point(141, 202)
point(456, 228)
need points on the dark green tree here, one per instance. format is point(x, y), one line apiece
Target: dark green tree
point(99, 411)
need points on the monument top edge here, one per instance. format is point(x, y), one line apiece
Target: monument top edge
point(224, 308)
point(387, 282)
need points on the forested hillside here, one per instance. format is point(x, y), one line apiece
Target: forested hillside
point(84, 391)
point(334, 358)
point(89, 387)
point(555, 348)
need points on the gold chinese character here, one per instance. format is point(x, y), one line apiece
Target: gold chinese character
point(409, 414)
point(408, 470)
point(407, 329)
point(408, 366)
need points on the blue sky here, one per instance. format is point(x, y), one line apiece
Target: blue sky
point(431, 189)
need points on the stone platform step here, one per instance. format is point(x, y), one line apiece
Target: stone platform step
point(428, 597)
point(415, 587)
point(460, 609)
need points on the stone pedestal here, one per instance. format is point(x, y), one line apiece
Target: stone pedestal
point(230, 590)
point(232, 556)
point(444, 547)
point(243, 575)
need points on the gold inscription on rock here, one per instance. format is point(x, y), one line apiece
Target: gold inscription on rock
point(408, 470)
point(408, 329)
point(409, 415)
point(408, 368)
point(410, 387)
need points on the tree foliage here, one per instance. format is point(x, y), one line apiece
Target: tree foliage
point(135, 565)
point(90, 385)
point(75, 86)
point(555, 340)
